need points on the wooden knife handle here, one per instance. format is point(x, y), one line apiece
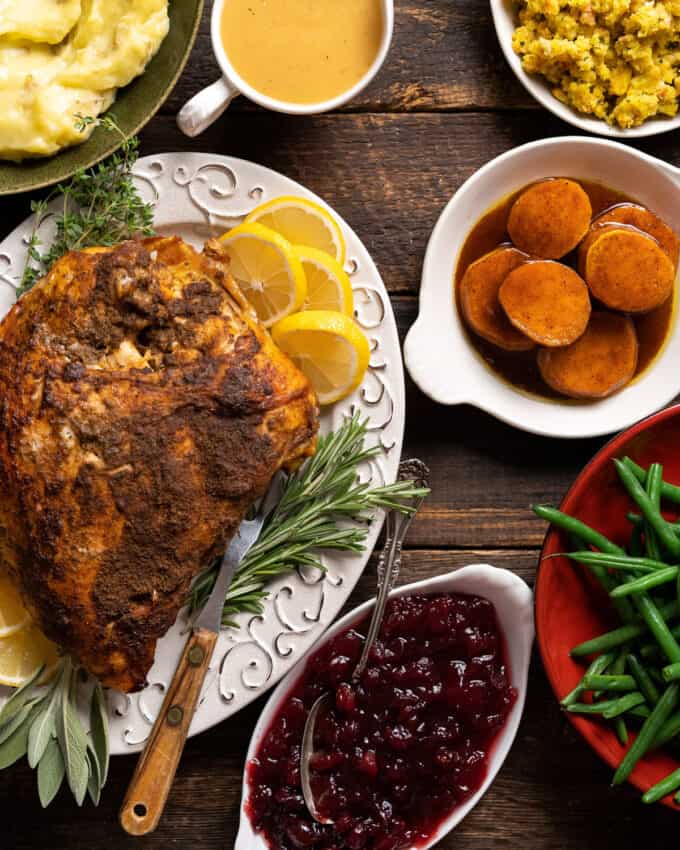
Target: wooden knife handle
point(155, 772)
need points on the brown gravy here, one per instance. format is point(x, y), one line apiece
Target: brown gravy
point(520, 368)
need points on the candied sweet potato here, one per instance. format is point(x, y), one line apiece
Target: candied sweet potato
point(547, 301)
point(478, 291)
point(598, 364)
point(627, 270)
point(643, 219)
point(550, 218)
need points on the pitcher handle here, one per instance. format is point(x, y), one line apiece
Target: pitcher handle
point(206, 107)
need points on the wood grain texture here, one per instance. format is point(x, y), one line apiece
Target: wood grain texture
point(444, 104)
point(552, 794)
point(154, 775)
point(436, 43)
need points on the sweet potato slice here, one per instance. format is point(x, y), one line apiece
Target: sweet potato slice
point(598, 364)
point(478, 291)
point(547, 301)
point(645, 220)
point(550, 218)
point(627, 270)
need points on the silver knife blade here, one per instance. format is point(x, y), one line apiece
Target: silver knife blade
point(210, 617)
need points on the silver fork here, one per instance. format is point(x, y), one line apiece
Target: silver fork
point(150, 785)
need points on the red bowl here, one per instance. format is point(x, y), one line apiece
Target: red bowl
point(570, 607)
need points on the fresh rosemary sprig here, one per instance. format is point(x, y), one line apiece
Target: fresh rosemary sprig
point(101, 206)
point(43, 723)
point(324, 507)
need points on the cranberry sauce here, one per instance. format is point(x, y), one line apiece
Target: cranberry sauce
point(401, 749)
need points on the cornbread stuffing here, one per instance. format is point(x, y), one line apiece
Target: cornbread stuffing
point(618, 60)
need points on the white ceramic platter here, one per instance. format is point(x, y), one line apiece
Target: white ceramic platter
point(505, 21)
point(197, 196)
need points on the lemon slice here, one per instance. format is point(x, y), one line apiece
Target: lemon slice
point(23, 653)
point(328, 285)
point(267, 269)
point(13, 614)
point(302, 222)
point(328, 347)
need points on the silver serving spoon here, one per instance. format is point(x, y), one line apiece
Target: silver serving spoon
point(396, 526)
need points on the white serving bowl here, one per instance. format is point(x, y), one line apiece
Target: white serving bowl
point(513, 601)
point(437, 351)
point(505, 21)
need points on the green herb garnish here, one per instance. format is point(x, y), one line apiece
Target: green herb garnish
point(101, 206)
point(324, 506)
point(43, 723)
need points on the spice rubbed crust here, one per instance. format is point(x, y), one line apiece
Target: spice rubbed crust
point(143, 409)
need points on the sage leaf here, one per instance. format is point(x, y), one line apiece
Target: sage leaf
point(51, 771)
point(73, 743)
point(14, 747)
point(10, 728)
point(99, 732)
point(42, 731)
point(18, 699)
point(94, 783)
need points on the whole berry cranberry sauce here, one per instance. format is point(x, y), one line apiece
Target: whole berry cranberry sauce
point(401, 749)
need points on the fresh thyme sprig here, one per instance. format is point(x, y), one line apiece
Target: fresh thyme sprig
point(101, 206)
point(324, 507)
point(43, 723)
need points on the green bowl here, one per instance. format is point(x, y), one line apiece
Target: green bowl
point(135, 105)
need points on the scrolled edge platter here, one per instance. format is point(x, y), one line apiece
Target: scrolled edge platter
point(197, 196)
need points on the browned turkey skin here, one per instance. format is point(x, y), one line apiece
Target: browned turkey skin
point(143, 409)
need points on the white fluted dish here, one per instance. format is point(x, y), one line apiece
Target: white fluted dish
point(438, 353)
point(513, 601)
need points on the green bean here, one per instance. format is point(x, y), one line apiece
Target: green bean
point(671, 673)
point(605, 705)
point(646, 582)
point(597, 682)
point(643, 679)
point(640, 711)
point(653, 488)
point(658, 626)
point(638, 521)
point(651, 513)
point(623, 704)
point(621, 730)
point(617, 637)
point(648, 733)
point(651, 649)
point(668, 491)
point(575, 526)
point(617, 562)
point(662, 789)
point(668, 731)
point(599, 665)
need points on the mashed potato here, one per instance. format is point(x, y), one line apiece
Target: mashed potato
point(616, 59)
point(62, 58)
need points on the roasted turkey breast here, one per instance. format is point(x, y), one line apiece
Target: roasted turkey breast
point(143, 409)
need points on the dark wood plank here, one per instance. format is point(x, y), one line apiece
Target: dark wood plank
point(552, 793)
point(389, 175)
point(435, 44)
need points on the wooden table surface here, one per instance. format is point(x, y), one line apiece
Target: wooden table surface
point(444, 104)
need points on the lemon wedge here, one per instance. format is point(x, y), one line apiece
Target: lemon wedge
point(328, 284)
point(267, 269)
point(23, 653)
point(302, 222)
point(13, 614)
point(328, 347)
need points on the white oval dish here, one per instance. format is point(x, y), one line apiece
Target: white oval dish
point(505, 22)
point(437, 351)
point(513, 601)
point(198, 196)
